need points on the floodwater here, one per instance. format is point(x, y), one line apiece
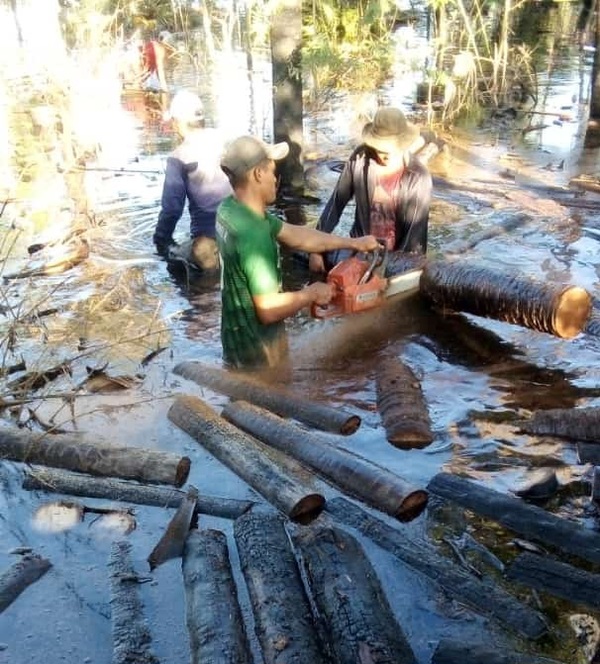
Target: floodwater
point(477, 375)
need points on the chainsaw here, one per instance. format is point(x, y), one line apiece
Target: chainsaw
point(360, 284)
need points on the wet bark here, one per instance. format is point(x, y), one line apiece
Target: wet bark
point(357, 617)
point(402, 406)
point(74, 484)
point(481, 594)
point(596, 485)
point(558, 310)
point(20, 576)
point(449, 651)
point(278, 400)
point(284, 622)
point(71, 453)
point(361, 478)
point(570, 423)
point(528, 520)
point(556, 578)
point(131, 634)
point(172, 542)
point(282, 481)
point(217, 635)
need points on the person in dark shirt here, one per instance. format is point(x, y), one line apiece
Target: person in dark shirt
point(390, 186)
point(194, 173)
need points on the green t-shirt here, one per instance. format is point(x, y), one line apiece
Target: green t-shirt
point(249, 266)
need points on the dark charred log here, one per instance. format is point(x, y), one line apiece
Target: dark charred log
point(20, 576)
point(402, 406)
point(273, 398)
point(449, 651)
point(359, 477)
point(281, 480)
point(216, 635)
point(282, 612)
point(570, 423)
point(458, 286)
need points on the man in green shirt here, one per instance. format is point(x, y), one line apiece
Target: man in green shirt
point(254, 307)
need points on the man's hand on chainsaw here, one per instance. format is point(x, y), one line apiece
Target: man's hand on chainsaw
point(366, 243)
point(320, 293)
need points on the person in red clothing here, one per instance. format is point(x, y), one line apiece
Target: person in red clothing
point(154, 56)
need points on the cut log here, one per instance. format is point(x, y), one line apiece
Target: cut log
point(459, 286)
point(273, 398)
point(449, 651)
point(556, 578)
point(20, 576)
point(361, 478)
point(172, 542)
point(358, 620)
point(571, 423)
point(282, 612)
point(213, 616)
point(75, 484)
point(528, 520)
point(71, 453)
point(481, 594)
point(402, 406)
point(280, 480)
point(131, 635)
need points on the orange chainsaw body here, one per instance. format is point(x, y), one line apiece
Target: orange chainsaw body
point(358, 287)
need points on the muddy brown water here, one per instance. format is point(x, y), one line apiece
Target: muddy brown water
point(123, 303)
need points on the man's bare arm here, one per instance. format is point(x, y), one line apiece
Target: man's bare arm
point(314, 241)
point(274, 307)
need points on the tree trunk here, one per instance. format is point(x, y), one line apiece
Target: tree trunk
point(359, 477)
point(74, 484)
point(281, 480)
point(449, 651)
point(457, 286)
point(282, 613)
point(274, 398)
point(481, 594)
point(213, 615)
point(528, 520)
point(570, 423)
point(71, 453)
point(19, 576)
point(358, 620)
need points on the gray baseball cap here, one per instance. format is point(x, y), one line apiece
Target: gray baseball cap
point(246, 152)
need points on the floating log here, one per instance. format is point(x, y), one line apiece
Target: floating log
point(282, 613)
point(402, 406)
point(131, 635)
point(71, 453)
point(273, 398)
point(281, 480)
point(172, 542)
point(450, 651)
point(358, 620)
point(362, 478)
point(556, 578)
point(570, 423)
point(20, 576)
point(528, 520)
point(459, 286)
point(481, 594)
point(506, 225)
point(213, 616)
point(75, 484)
point(539, 484)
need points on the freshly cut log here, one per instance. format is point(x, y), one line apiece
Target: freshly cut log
point(460, 286)
point(402, 406)
point(481, 594)
point(361, 478)
point(20, 576)
point(75, 484)
point(280, 480)
point(273, 398)
point(71, 453)
point(131, 635)
point(528, 520)
point(282, 612)
point(172, 542)
point(556, 578)
point(357, 617)
point(213, 616)
point(449, 651)
point(571, 423)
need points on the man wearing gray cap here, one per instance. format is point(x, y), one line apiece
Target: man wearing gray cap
point(254, 307)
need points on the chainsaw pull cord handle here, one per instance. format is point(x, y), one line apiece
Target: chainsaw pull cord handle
point(375, 262)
